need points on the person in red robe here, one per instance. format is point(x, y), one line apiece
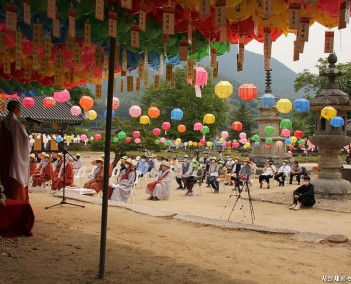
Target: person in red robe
point(14, 154)
point(97, 178)
point(45, 173)
point(62, 176)
point(39, 165)
point(32, 165)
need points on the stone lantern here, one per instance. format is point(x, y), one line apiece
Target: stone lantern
point(331, 140)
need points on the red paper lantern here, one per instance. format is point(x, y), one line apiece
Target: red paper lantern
point(49, 102)
point(247, 92)
point(181, 128)
point(156, 131)
point(166, 126)
point(136, 134)
point(153, 112)
point(228, 144)
point(97, 137)
point(298, 134)
point(237, 126)
point(28, 102)
point(128, 139)
point(236, 145)
point(86, 103)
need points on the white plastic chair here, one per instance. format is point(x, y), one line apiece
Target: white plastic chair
point(80, 175)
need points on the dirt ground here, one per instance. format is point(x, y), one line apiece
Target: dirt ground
point(145, 249)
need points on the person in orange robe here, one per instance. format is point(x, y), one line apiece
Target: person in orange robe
point(45, 173)
point(59, 179)
point(32, 165)
point(41, 157)
point(14, 154)
point(97, 178)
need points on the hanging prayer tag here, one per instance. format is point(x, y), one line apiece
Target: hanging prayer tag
point(59, 60)
point(98, 56)
point(168, 20)
point(134, 36)
point(267, 8)
point(223, 35)
point(183, 50)
point(220, 13)
point(146, 79)
point(47, 46)
point(72, 22)
point(98, 91)
point(169, 71)
point(70, 43)
point(342, 16)
point(294, 15)
point(157, 82)
point(87, 34)
point(35, 59)
point(90, 76)
point(112, 24)
point(2, 42)
point(26, 12)
point(239, 65)
point(267, 42)
point(77, 56)
point(267, 64)
point(190, 69)
point(173, 81)
point(11, 17)
point(329, 42)
point(57, 77)
point(213, 57)
point(51, 9)
point(137, 86)
point(117, 54)
point(99, 10)
point(304, 28)
point(37, 35)
point(6, 64)
point(142, 17)
point(56, 27)
point(27, 73)
point(124, 60)
point(130, 84)
point(205, 8)
point(215, 71)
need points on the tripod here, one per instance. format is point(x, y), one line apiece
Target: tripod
point(238, 192)
point(64, 152)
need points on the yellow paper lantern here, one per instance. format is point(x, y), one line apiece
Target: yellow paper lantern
point(209, 143)
point(195, 144)
point(284, 105)
point(293, 139)
point(190, 143)
point(221, 140)
point(178, 141)
point(328, 112)
point(92, 115)
point(247, 145)
point(144, 119)
point(209, 118)
point(223, 89)
point(68, 138)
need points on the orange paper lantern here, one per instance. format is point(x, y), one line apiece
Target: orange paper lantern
point(86, 103)
point(49, 102)
point(153, 112)
point(181, 128)
point(247, 92)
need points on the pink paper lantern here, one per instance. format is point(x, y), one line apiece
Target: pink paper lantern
point(156, 131)
point(242, 135)
point(279, 143)
point(301, 146)
point(291, 147)
point(28, 102)
point(203, 141)
point(134, 111)
point(163, 140)
point(201, 77)
point(62, 96)
point(83, 137)
point(198, 126)
point(224, 134)
point(243, 141)
point(305, 152)
point(136, 134)
point(76, 110)
point(115, 103)
point(236, 145)
point(166, 126)
point(97, 137)
point(137, 141)
point(285, 132)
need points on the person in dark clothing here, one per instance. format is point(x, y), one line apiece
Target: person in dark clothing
point(303, 195)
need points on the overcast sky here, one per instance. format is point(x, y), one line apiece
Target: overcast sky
point(283, 48)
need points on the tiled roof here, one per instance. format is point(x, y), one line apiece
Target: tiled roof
point(60, 113)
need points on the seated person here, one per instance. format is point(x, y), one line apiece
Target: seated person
point(32, 165)
point(253, 170)
point(63, 175)
point(268, 173)
point(184, 172)
point(212, 173)
point(222, 172)
point(296, 170)
point(234, 172)
point(194, 176)
point(173, 163)
point(45, 172)
point(161, 187)
point(143, 166)
point(122, 189)
point(282, 173)
point(97, 177)
point(303, 195)
point(77, 164)
point(245, 173)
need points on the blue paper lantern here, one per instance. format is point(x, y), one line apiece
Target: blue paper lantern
point(287, 141)
point(59, 139)
point(301, 105)
point(177, 114)
point(267, 101)
point(113, 113)
point(337, 121)
point(256, 144)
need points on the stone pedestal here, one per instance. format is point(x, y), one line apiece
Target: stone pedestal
point(329, 184)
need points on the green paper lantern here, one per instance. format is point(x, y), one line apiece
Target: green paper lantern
point(286, 123)
point(115, 139)
point(269, 130)
point(168, 143)
point(301, 141)
point(121, 135)
point(205, 129)
point(269, 140)
point(157, 142)
point(256, 138)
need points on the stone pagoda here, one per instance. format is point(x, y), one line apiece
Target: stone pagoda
point(330, 140)
point(268, 117)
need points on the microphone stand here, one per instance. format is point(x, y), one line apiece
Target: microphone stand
point(64, 151)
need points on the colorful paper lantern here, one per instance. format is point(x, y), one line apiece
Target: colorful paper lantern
point(86, 103)
point(205, 129)
point(237, 126)
point(236, 144)
point(92, 115)
point(209, 118)
point(166, 126)
point(156, 131)
point(83, 137)
point(59, 139)
point(224, 134)
point(247, 145)
point(157, 141)
point(128, 139)
point(284, 105)
point(121, 135)
point(301, 142)
point(291, 147)
point(257, 144)
point(223, 89)
point(293, 139)
point(209, 143)
point(221, 140)
point(163, 140)
point(285, 132)
point(28, 102)
point(97, 137)
point(203, 141)
point(153, 112)
point(279, 144)
point(177, 114)
point(115, 103)
point(286, 123)
point(201, 77)
point(76, 110)
point(168, 143)
point(181, 128)
point(337, 121)
point(256, 138)
point(190, 143)
point(137, 141)
point(134, 111)
point(49, 102)
point(247, 92)
point(243, 141)
point(115, 139)
point(301, 105)
point(298, 134)
point(269, 130)
point(228, 144)
point(198, 126)
point(136, 134)
point(62, 96)
point(242, 135)
point(287, 141)
point(269, 140)
point(144, 119)
point(328, 112)
point(267, 101)
point(178, 141)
